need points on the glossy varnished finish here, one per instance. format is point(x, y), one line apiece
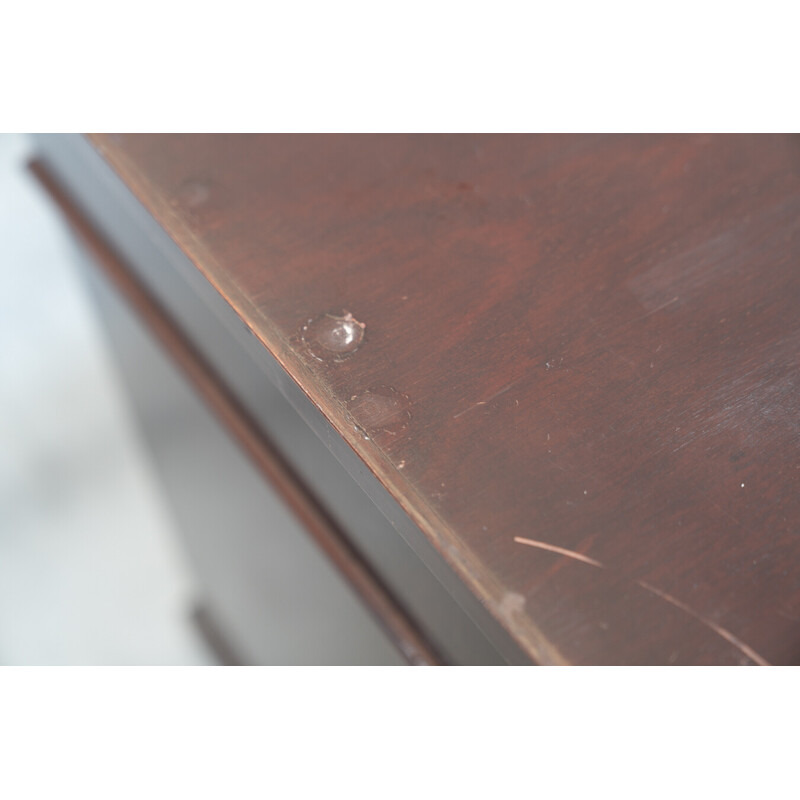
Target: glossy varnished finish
point(574, 361)
point(241, 429)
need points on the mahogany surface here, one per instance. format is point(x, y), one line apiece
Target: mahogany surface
point(580, 361)
point(246, 433)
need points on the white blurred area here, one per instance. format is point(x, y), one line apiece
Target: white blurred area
point(89, 573)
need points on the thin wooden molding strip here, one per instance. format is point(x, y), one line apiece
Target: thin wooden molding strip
point(244, 430)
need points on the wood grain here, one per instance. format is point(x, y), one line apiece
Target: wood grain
point(248, 435)
point(580, 359)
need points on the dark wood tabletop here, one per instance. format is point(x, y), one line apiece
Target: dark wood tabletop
point(574, 361)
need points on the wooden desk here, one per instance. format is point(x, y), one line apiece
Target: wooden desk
point(564, 369)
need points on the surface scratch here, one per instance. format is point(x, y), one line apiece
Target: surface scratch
point(555, 549)
point(655, 310)
point(487, 400)
point(719, 630)
point(474, 405)
point(502, 391)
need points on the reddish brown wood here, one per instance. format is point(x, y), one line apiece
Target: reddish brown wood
point(579, 368)
point(246, 432)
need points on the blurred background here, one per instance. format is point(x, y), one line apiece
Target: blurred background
point(89, 573)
